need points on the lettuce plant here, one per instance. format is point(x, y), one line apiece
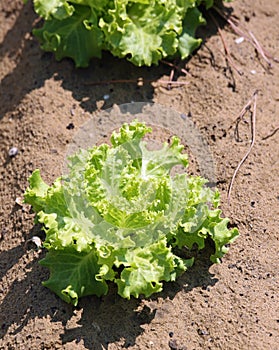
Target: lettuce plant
point(122, 214)
point(144, 31)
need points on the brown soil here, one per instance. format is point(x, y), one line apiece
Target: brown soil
point(228, 306)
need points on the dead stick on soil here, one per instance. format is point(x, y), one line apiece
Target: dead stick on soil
point(171, 77)
point(227, 51)
point(139, 82)
point(253, 101)
point(172, 82)
point(259, 48)
point(271, 134)
point(170, 64)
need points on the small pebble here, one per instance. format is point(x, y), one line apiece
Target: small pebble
point(19, 201)
point(239, 40)
point(33, 241)
point(13, 151)
point(202, 332)
point(37, 240)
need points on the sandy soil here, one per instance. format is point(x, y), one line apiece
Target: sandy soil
point(228, 306)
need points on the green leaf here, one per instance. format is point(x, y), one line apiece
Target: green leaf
point(187, 42)
point(160, 162)
point(59, 9)
point(36, 192)
point(76, 36)
point(144, 32)
point(146, 268)
point(220, 234)
point(129, 133)
point(73, 275)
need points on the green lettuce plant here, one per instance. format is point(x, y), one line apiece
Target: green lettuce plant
point(143, 31)
point(122, 214)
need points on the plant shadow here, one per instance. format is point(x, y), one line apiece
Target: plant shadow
point(112, 318)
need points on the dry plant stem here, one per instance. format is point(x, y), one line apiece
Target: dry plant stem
point(259, 48)
point(244, 110)
point(174, 67)
point(175, 83)
point(273, 132)
point(182, 70)
point(139, 82)
point(171, 77)
point(227, 52)
point(253, 101)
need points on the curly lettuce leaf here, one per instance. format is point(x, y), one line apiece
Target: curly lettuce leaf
point(73, 275)
point(145, 269)
point(144, 32)
point(59, 9)
point(76, 36)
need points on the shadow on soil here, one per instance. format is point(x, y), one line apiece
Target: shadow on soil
point(103, 320)
point(33, 67)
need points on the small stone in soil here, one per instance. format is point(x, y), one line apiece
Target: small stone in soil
point(13, 152)
point(34, 242)
point(19, 201)
point(202, 332)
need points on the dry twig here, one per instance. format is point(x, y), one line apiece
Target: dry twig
point(259, 48)
point(170, 64)
point(227, 51)
point(139, 82)
point(252, 101)
point(273, 132)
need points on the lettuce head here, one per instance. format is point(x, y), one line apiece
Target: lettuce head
point(143, 31)
point(122, 215)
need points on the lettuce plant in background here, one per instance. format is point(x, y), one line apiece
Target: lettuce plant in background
point(143, 31)
point(122, 214)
